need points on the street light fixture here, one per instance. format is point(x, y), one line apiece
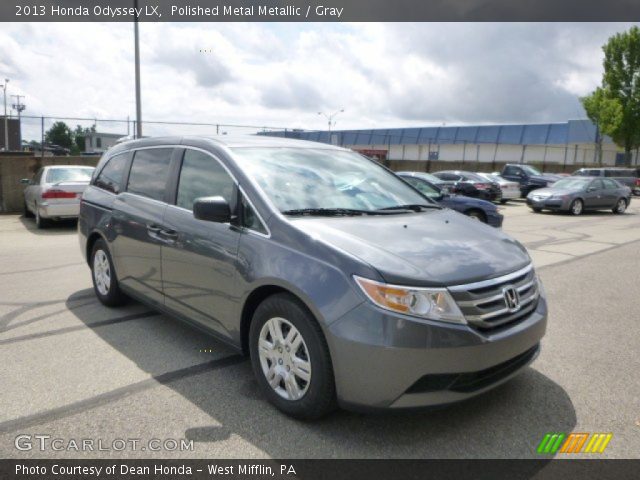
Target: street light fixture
point(6, 122)
point(330, 121)
point(19, 107)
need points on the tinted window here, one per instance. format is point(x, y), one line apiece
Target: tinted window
point(512, 171)
point(597, 184)
point(610, 184)
point(619, 173)
point(150, 172)
point(110, 177)
point(449, 177)
point(203, 176)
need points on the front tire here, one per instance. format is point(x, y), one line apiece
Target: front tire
point(536, 210)
point(621, 206)
point(290, 358)
point(576, 207)
point(105, 282)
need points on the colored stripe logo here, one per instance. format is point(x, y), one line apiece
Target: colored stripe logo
point(553, 443)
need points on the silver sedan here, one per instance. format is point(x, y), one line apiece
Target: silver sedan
point(54, 192)
point(510, 190)
point(578, 194)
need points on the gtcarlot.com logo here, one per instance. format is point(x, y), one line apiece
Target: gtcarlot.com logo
point(553, 443)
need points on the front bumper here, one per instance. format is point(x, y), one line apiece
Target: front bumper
point(548, 203)
point(495, 219)
point(59, 210)
point(385, 360)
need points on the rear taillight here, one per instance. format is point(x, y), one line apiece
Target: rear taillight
point(58, 194)
point(637, 182)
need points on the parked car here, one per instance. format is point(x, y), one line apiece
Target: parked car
point(578, 194)
point(424, 175)
point(475, 208)
point(54, 192)
point(626, 176)
point(508, 190)
point(528, 177)
point(469, 184)
point(343, 284)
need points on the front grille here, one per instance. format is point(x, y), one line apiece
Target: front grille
point(473, 381)
point(484, 304)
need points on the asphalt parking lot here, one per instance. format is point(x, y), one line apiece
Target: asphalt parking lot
point(73, 369)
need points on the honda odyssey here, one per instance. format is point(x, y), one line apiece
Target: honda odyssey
point(344, 284)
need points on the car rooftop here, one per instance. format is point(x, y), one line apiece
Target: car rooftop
point(230, 141)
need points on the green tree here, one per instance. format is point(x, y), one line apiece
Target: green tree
point(79, 135)
point(615, 106)
point(59, 134)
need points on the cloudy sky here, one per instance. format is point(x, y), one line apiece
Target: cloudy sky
point(273, 74)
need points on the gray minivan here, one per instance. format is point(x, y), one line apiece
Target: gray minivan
point(343, 284)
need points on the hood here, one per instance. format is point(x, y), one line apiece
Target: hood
point(432, 248)
point(547, 192)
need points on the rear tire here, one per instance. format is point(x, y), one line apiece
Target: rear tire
point(40, 222)
point(576, 207)
point(621, 206)
point(105, 281)
point(290, 358)
point(27, 213)
point(503, 201)
point(476, 215)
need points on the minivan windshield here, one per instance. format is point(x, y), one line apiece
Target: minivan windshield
point(297, 179)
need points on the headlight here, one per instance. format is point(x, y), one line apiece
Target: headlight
point(431, 303)
point(541, 290)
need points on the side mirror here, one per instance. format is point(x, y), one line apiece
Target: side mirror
point(212, 209)
point(25, 181)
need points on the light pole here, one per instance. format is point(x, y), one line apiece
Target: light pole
point(6, 122)
point(137, 67)
point(19, 107)
point(329, 118)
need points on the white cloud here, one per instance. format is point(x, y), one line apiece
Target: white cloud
point(384, 75)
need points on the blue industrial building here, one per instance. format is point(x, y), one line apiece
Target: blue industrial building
point(574, 142)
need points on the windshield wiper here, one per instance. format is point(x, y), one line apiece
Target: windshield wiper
point(330, 211)
point(416, 207)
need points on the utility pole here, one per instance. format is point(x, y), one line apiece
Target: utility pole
point(137, 68)
point(6, 122)
point(19, 107)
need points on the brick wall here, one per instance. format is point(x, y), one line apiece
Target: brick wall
point(12, 169)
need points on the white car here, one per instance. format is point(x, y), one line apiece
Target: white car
point(54, 192)
point(510, 190)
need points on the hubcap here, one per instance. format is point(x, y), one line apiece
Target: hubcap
point(284, 358)
point(577, 208)
point(101, 272)
point(622, 206)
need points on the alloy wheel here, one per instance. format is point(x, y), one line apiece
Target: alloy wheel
point(576, 207)
point(101, 272)
point(622, 206)
point(284, 358)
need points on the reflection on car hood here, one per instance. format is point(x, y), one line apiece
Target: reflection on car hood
point(433, 248)
point(547, 192)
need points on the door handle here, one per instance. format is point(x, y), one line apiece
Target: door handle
point(154, 229)
point(168, 233)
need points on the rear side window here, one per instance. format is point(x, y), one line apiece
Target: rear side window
point(619, 173)
point(610, 184)
point(202, 175)
point(150, 173)
point(512, 171)
point(110, 177)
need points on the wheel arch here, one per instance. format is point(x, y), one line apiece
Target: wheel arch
point(91, 241)
point(255, 298)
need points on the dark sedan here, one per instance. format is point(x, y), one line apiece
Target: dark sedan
point(470, 185)
point(578, 194)
point(475, 208)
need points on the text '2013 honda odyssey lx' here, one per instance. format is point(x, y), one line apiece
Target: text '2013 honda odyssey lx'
point(342, 282)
